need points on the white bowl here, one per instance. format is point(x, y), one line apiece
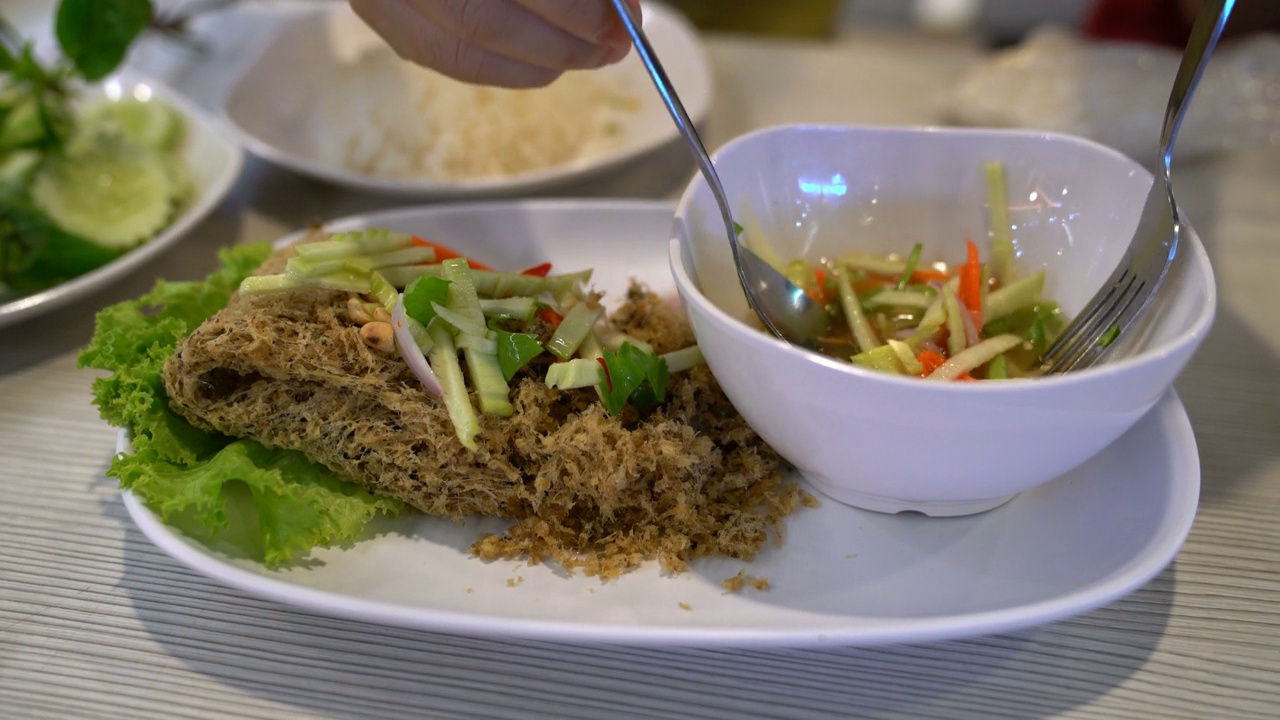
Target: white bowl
point(893, 443)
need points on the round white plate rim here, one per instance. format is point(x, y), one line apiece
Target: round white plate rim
point(1156, 552)
point(61, 294)
point(697, 105)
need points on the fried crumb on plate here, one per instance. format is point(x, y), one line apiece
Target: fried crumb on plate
point(742, 579)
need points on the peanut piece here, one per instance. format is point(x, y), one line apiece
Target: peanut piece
point(357, 313)
point(379, 336)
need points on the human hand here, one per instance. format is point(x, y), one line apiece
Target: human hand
point(508, 43)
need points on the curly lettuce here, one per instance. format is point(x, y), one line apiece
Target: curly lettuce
point(273, 505)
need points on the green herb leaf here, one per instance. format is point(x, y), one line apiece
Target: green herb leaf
point(1109, 336)
point(35, 253)
point(95, 34)
point(515, 350)
point(635, 375)
point(419, 295)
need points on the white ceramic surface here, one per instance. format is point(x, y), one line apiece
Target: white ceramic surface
point(273, 104)
point(843, 577)
point(214, 158)
point(894, 443)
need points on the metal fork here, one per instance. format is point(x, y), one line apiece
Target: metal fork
point(1129, 292)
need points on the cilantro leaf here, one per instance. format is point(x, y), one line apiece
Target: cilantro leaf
point(419, 295)
point(515, 350)
point(635, 375)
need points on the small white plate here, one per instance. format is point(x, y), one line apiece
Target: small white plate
point(842, 577)
point(213, 156)
point(273, 104)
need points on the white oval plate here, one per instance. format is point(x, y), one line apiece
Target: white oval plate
point(214, 157)
point(842, 577)
point(273, 104)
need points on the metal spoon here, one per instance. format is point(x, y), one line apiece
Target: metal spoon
point(785, 309)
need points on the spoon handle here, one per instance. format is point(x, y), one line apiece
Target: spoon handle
point(669, 98)
point(786, 310)
point(1209, 22)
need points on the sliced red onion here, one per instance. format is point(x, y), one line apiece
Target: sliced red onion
point(971, 336)
point(409, 350)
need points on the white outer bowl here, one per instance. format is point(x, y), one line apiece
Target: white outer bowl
point(894, 444)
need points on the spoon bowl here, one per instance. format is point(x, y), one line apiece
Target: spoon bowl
point(784, 309)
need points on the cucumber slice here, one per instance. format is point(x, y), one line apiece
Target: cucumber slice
point(151, 124)
point(107, 190)
point(184, 187)
point(17, 168)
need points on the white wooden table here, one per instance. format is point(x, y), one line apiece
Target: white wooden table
point(96, 623)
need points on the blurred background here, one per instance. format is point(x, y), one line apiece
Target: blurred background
point(1000, 21)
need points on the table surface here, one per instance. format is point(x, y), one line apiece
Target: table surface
point(95, 622)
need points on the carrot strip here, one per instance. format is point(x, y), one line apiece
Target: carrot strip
point(538, 270)
point(444, 252)
point(924, 276)
point(930, 360)
point(970, 290)
point(550, 317)
point(819, 291)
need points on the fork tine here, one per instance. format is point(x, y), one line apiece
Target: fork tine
point(1104, 327)
point(1125, 313)
point(1092, 322)
point(1098, 307)
point(1128, 292)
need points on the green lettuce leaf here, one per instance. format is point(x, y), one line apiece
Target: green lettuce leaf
point(273, 505)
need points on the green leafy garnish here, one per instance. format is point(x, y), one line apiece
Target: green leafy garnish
point(631, 374)
point(208, 484)
point(41, 130)
point(419, 295)
point(96, 34)
point(40, 253)
point(515, 350)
